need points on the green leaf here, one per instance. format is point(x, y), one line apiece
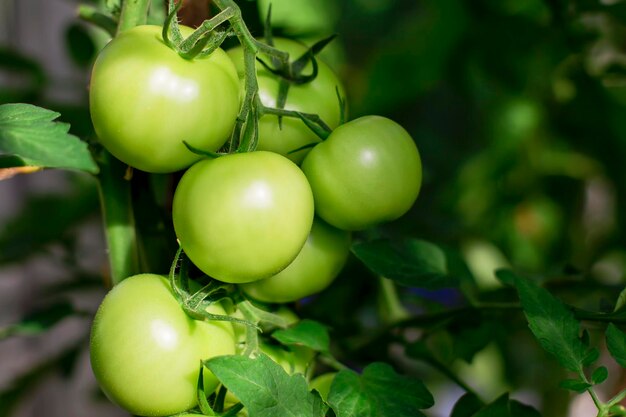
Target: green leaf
point(599, 375)
point(307, 333)
point(575, 385)
point(616, 343)
point(379, 392)
point(39, 321)
point(505, 407)
point(466, 406)
point(265, 389)
point(552, 323)
point(30, 137)
point(410, 262)
point(591, 356)
point(522, 410)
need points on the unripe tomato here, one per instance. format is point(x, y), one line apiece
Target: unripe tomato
point(146, 351)
point(145, 100)
point(317, 97)
point(367, 172)
point(243, 217)
point(316, 266)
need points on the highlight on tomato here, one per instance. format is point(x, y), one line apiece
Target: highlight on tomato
point(366, 173)
point(146, 351)
point(244, 216)
point(145, 100)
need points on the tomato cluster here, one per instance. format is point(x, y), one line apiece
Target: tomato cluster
point(278, 230)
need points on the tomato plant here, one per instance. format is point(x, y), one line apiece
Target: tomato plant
point(316, 266)
point(146, 352)
point(367, 172)
point(243, 217)
point(406, 314)
point(318, 96)
point(145, 100)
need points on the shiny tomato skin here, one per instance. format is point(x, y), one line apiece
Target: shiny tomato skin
point(366, 173)
point(243, 217)
point(145, 100)
point(316, 97)
point(319, 262)
point(146, 351)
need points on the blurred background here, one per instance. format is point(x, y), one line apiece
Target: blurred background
point(518, 108)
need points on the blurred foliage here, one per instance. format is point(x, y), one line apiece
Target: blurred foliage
point(517, 107)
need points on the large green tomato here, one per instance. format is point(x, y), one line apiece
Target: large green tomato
point(243, 217)
point(316, 266)
point(367, 172)
point(145, 100)
point(318, 97)
point(146, 351)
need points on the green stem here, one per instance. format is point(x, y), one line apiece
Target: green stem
point(119, 223)
point(616, 400)
point(599, 405)
point(92, 15)
point(134, 13)
point(391, 308)
point(332, 362)
point(251, 47)
point(451, 375)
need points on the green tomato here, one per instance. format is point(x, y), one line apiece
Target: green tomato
point(367, 172)
point(319, 262)
point(243, 217)
point(322, 384)
point(299, 17)
point(146, 351)
point(145, 100)
point(318, 97)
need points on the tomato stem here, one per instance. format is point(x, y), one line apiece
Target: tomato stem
point(134, 13)
point(92, 15)
point(390, 306)
point(246, 129)
point(119, 222)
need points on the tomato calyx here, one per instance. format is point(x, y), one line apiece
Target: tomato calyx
point(204, 40)
point(196, 303)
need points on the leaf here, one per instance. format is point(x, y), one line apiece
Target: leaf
point(599, 375)
point(505, 407)
point(410, 262)
point(575, 385)
point(30, 137)
point(307, 333)
point(522, 410)
point(265, 389)
point(466, 406)
point(379, 392)
point(553, 324)
point(616, 343)
point(39, 321)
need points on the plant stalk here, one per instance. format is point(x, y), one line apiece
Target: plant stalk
point(119, 222)
point(134, 13)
